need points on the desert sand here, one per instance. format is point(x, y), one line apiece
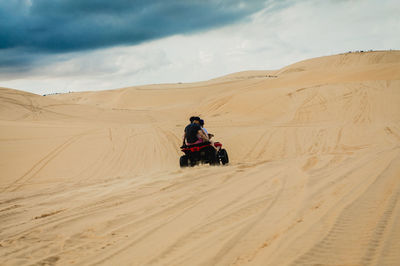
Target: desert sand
point(93, 178)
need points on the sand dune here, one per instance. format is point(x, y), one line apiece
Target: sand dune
point(92, 178)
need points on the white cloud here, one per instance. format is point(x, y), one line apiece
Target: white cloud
point(270, 40)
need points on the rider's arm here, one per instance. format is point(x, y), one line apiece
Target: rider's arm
point(184, 137)
point(207, 134)
point(202, 135)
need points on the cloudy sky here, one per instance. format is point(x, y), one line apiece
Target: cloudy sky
point(49, 46)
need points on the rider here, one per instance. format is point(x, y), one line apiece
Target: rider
point(207, 134)
point(205, 130)
point(193, 132)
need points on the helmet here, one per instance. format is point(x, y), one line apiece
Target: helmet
point(194, 118)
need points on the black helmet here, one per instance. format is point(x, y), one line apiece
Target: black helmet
point(194, 118)
point(201, 122)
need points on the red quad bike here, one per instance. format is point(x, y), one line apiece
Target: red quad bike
point(203, 153)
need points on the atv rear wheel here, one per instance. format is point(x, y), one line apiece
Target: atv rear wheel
point(212, 156)
point(184, 161)
point(223, 156)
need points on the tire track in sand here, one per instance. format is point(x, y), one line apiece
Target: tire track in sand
point(357, 236)
point(237, 217)
point(37, 167)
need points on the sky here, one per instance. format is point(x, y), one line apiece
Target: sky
point(51, 46)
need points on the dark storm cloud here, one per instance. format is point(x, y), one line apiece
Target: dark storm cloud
point(29, 28)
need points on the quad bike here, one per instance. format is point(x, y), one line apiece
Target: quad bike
point(203, 153)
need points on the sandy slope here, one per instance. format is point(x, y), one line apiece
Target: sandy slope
point(92, 178)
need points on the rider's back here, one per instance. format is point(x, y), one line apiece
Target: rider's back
point(191, 131)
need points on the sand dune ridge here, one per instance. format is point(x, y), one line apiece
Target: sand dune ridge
point(92, 178)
